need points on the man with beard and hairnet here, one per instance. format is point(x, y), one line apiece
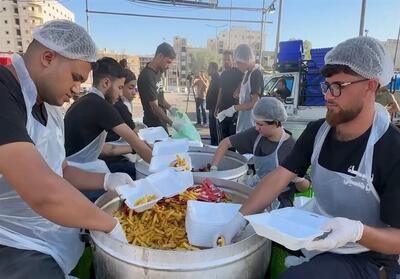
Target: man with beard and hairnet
point(91, 116)
point(355, 171)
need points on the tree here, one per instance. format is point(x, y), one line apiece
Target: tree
point(200, 58)
point(307, 48)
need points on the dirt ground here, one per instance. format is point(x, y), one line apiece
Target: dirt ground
point(177, 99)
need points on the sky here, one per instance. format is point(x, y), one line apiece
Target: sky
point(323, 22)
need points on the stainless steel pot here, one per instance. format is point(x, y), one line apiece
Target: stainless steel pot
point(232, 167)
point(248, 257)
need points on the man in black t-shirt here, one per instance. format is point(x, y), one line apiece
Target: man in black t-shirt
point(151, 92)
point(91, 116)
point(41, 208)
point(231, 78)
point(211, 101)
point(120, 163)
point(283, 91)
point(355, 170)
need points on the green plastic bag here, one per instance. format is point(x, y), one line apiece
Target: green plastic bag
point(188, 131)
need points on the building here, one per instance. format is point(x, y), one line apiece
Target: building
point(390, 44)
point(144, 60)
point(19, 17)
point(230, 39)
point(176, 76)
point(134, 62)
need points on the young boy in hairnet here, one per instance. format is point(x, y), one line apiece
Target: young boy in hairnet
point(355, 170)
point(270, 144)
point(41, 207)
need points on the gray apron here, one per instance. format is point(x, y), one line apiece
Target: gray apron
point(20, 226)
point(264, 165)
point(244, 120)
point(344, 195)
point(88, 157)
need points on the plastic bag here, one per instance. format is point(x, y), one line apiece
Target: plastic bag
point(188, 130)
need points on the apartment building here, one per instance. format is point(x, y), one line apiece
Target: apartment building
point(19, 17)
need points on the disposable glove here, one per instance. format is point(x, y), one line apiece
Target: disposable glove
point(235, 227)
point(177, 125)
point(342, 231)
point(226, 113)
point(298, 179)
point(213, 168)
point(118, 233)
point(113, 180)
point(173, 110)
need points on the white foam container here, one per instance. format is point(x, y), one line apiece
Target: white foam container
point(164, 153)
point(206, 221)
point(290, 227)
point(167, 183)
point(153, 134)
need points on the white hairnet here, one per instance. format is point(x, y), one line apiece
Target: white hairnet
point(243, 53)
point(364, 55)
point(67, 39)
point(269, 109)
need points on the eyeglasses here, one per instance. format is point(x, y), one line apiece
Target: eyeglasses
point(336, 87)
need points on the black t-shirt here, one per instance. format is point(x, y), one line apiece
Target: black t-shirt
point(126, 116)
point(148, 91)
point(230, 80)
point(87, 118)
point(338, 156)
point(244, 142)
point(212, 92)
point(283, 93)
point(256, 81)
point(13, 116)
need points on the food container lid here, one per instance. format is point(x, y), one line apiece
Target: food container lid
point(170, 147)
point(153, 134)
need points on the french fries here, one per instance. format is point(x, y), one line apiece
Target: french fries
point(145, 199)
point(163, 226)
point(180, 162)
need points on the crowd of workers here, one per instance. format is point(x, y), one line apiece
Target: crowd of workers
point(48, 163)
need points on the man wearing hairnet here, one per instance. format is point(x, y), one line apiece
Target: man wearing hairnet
point(355, 170)
point(251, 88)
point(40, 204)
point(270, 144)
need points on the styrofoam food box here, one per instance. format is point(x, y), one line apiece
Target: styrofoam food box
point(164, 153)
point(206, 221)
point(167, 183)
point(290, 227)
point(140, 188)
point(153, 134)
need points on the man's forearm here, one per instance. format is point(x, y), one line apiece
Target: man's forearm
point(83, 180)
point(383, 240)
point(267, 190)
point(249, 105)
point(110, 149)
point(221, 150)
point(161, 115)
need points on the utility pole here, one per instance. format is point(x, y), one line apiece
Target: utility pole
point(87, 17)
point(262, 31)
point(278, 30)
point(363, 5)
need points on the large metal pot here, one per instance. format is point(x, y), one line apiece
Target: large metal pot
point(233, 166)
point(248, 257)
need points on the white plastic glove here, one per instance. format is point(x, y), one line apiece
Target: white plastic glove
point(343, 231)
point(213, 168)
point(177, 125)
point(298, 179)
point(226, 113)
point(235, 227)
point(118, 233)
point(113, 180)
point(173, 110)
